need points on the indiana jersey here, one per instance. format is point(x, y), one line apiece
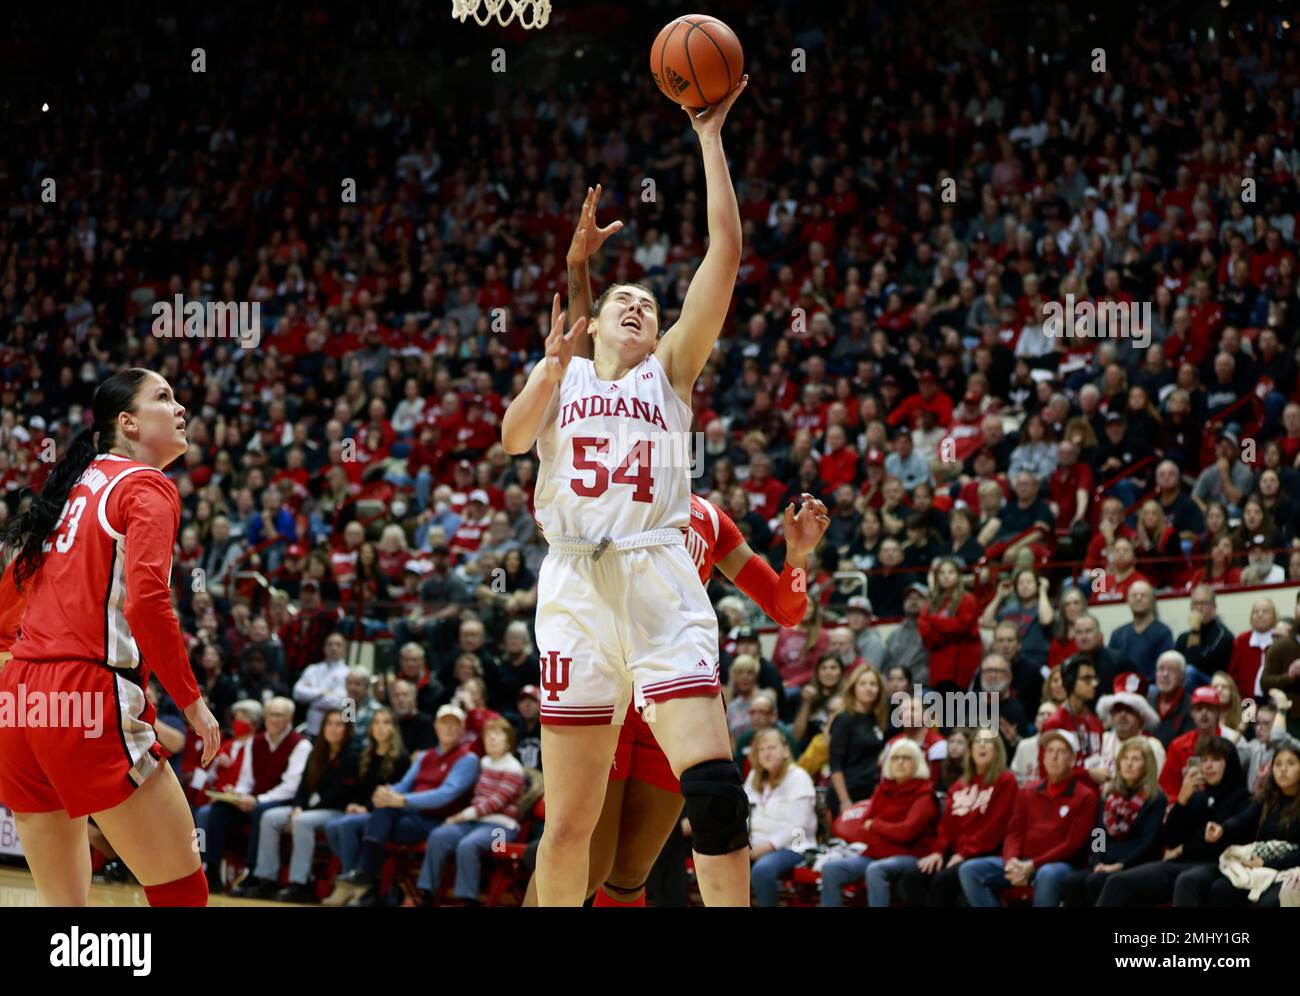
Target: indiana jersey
point(102, 598)
point(614, 455)
point(711, 537)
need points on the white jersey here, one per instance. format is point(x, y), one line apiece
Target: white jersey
point(615, 459)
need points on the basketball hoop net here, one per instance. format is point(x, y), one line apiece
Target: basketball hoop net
point(531, 13)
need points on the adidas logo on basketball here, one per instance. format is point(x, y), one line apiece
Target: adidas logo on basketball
point(677, 83)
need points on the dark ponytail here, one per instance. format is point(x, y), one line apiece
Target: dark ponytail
point(27, 533)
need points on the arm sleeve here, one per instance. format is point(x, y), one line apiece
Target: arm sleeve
point(460, 778)
point(839, 746)
point(149, 508)
point(1242, 828)
point(408, 779)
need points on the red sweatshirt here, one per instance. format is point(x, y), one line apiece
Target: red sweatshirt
point(498, 790)
point(1245, 663)
point(1051, 822)
point(953, 641)
point(975, 817)
point(903, 816)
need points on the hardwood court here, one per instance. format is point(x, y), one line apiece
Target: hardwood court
point(18, 889)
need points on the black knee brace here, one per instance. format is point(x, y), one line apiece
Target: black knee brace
point(717, 807)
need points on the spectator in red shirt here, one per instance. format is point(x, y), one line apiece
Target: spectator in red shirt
point(1076, 714)
point(764, 490)
point(839, 464)
point(1123, 573)
point(1047, 836)
point(473, 526)
point(1070, 492)
point(976, 813)
point(1250, 647)
point(949, 627)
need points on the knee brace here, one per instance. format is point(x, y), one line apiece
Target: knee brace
point(717, 807)
point(192, 890)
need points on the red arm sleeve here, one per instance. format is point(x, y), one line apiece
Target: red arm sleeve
point(774, 594)
point(149, 507)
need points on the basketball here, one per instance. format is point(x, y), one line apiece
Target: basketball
point(696, 60)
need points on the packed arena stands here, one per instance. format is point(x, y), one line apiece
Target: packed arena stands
point(1018, 301)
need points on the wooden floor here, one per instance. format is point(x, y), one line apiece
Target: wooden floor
point(17, 889)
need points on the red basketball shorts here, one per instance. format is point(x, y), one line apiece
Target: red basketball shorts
point(639, 756)
point(74, 735)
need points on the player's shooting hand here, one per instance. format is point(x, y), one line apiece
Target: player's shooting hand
point(588, 237)
point(805, 528)
point(205, 725)
point(559, 344)
point(708, 122)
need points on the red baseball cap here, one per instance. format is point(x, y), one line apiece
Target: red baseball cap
point(875, 457)
point(1206, 695)
point(529, 692)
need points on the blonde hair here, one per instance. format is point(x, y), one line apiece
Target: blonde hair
point(762, 777)
point(996, 766)
point(1150, 783)
point(746, 664)
point(1232, 711)
point(909, 747)
point(850, 695)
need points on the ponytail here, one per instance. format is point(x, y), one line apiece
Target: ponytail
point(27, 533)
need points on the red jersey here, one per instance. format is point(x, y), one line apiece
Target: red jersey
point(711, 537)
point(100, 599)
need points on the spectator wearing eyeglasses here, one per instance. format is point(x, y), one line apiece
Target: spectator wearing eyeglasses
point(1047, 836)
point(1207, 645)
point(762, 716)
point(1077, 714)
point(976, 812)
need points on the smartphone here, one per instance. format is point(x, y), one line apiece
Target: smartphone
point(1193, 763)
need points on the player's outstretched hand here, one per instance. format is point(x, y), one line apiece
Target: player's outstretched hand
point(804, 529)
point(709, 121)
point(559, 344)
point(206, 726)
point(588, 237)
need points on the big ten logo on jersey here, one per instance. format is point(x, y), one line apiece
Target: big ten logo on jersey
point(555, 674)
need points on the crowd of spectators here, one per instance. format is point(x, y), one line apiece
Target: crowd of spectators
point(358, 554)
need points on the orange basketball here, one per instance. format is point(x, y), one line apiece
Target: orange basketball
point(696, 60)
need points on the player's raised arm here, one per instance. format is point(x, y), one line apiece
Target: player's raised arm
point(523, 419)
point(588, 237)
point(784, 596)
point(687, 345)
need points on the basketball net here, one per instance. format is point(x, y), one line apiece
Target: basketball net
point(531, 13)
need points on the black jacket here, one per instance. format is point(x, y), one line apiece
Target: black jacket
point(856, 744)
point(1178, 722)
point(1142, 843)
point(1213, 652)
point(335, 787)
point(1246, 827)
point(1185, 825)
point(374, 776)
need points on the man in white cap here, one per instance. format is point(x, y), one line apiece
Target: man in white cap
point(474, 525)
point(904, 647)
point(1048, 834)
point(866, 641)
point(1126, 714)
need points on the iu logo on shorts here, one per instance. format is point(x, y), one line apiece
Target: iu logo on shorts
point(555, 675)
